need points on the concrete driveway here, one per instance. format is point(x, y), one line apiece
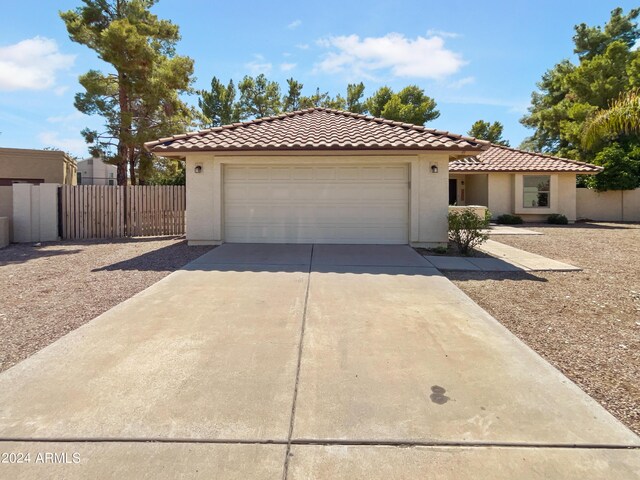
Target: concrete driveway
point(301, 361)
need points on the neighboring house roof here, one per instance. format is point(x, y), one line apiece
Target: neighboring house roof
point(316, 129)
point(506, 159)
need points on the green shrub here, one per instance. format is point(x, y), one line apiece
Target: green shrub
point(440, 250)
point(508, 219)
point(466, 229)
point(557, 219)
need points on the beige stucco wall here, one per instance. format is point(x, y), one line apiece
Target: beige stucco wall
point(567, 196)
point(505, 196)
point(4, 231)
point(500, 193)
point(428, 194)
point(6, 206)
point(35, 212)
point(611, 206)
point(49, 166)
point(476, 187)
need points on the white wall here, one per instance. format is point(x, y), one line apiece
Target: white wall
point(428, 195)
point(35, 212)
point(611, 206)
point(93, 171)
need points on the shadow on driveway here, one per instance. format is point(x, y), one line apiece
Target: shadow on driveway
point(500, 276)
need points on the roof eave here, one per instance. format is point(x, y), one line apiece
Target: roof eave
point(459, 151)
point(577, 172)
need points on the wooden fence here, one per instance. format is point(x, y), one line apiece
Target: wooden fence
point(104, 211)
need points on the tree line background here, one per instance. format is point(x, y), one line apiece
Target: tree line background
point(142, 98)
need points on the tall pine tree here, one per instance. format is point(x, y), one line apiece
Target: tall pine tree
point(139, 99)
point(571, 93)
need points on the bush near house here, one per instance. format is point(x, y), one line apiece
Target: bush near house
point(467, 229)
point(508, 219)
point(557, 219)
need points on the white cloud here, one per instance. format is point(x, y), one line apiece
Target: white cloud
point(61, 90)
point(403, 57)
point(295, 24)
point(31, 64)
point(461, 82)
point(75, 145)
point(286, 67)
point(303, 46)
point(442, 33)
point(72, 117)
point(513, 106)
point(258, 65)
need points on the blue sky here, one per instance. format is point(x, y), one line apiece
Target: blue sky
point(479, 60)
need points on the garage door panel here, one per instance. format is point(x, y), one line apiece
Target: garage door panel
point(322, 204)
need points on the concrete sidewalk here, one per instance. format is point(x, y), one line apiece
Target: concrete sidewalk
point(504, 258)
point(526, 260)
point(276, 361)
point(510, 230)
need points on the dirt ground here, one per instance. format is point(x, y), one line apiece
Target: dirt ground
point(585, 323)
point(49, 290)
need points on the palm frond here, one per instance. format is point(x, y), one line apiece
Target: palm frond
point(622, 117)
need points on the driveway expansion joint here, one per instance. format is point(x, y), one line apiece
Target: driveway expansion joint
point(327, 442)
point(287, 454)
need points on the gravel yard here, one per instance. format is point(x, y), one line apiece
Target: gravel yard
point(586, 323)
point(52, 289)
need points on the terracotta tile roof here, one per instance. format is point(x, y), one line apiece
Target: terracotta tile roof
point(505, 159)
point(316, 129)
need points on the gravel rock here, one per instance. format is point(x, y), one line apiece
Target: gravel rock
point(584, 323)
point(49, 289)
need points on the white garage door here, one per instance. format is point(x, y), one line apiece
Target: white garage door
point(316, 204)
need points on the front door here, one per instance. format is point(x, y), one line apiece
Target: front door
point(453, 191)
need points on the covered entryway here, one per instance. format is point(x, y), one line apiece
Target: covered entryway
point(328, 203)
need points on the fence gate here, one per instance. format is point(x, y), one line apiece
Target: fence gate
point(105, 211)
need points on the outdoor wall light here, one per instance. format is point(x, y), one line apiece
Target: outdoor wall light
point(198, 169)
point(434, 168)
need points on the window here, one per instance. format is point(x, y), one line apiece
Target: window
point(79, 179)
point(536, 191)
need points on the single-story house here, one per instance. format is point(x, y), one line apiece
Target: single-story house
point(321, 176)
point(317, 176)
point(508, 180)
point(18, 165)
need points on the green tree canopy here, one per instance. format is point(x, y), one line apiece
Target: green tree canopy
point(354, 102)
point(259, 97)
point(219, 105)
point(569, 94)
point(410, 105)
point(139, 99)
point(291, 101)
point(491, 132)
